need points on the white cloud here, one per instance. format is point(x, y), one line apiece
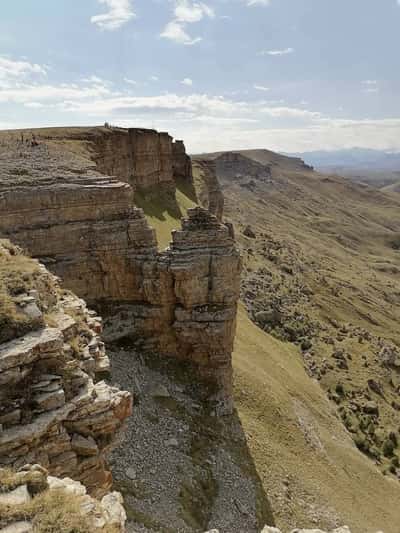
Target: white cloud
point(260, 88)
point(371, 86)
point(259, 2)
point(34, 105)
point(12, 71)
point(189, 12)
point(131, 82)
point(154, 78)
point(23, 93)
point(175, 31)
point(206, 122)
point(186, 12)
point(290, 112)
point(187, 81)
point(119, 13)
point(283, 52)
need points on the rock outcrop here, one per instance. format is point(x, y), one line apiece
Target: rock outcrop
point(31, 500)
point(53, 409)
point(84, 226)
point(208, 190)
point(205, 268)
point(192, 290)
point(233, 165)
point(86, 230)
point(142, 158)
point(181, 162)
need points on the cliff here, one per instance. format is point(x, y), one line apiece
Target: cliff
point(56, 202)
point(144, 158)
point(208, 189)
point(53, 409)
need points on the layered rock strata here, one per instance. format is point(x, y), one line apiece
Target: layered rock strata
point(181, 162)
point(86, 230)
point(53, 409)
point(205, 267)
point(192, 290)
point(208, 190)
point(143, 158)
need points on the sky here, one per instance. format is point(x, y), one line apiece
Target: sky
point(287, 75)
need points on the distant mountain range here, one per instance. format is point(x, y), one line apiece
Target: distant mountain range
point(353, 158)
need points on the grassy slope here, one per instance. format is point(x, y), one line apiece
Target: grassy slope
point(162, 216)
point(294, 434)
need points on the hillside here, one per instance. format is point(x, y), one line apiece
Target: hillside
point(321, 272)
point(313, 436)
point(394, 187)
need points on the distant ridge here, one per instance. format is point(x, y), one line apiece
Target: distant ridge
point(354, 158)
point(263, 157)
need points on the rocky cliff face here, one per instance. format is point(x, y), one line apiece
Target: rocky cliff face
point(86, 230)
point(188, 310)
point(53, 409)
point(142, 158)
point(207, 187)
point(85, 227)
point(181, 162)
point(205, 268)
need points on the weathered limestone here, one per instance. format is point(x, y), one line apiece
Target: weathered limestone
point(84, 227)
point(205, 266)
point(87, 231)
point(141, 157)
point(32, 482)
point(191, 290)
point(208, 189)
point(52, 410)
point(181, 163)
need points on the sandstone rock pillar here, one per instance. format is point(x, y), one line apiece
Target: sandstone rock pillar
point(206, 265)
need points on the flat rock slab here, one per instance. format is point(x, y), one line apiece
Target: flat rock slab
point(18, 527)
point(31, 347)
point(18, 496)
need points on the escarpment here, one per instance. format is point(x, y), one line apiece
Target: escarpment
point(86, 228)
point(53, 409)
point(87, 231)
point(143, 158)
point(208, 189)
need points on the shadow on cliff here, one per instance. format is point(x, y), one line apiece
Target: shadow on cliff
point(162, 203)
point(218, 483)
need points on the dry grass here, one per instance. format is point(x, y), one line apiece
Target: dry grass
point(165, 216)
point(49, 512)
point(18, 274)
point(294, 434)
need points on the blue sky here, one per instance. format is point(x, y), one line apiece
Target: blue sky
point(290, 75)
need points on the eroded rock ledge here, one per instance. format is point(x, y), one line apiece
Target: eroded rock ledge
point(179, 303)
point(53, 409)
